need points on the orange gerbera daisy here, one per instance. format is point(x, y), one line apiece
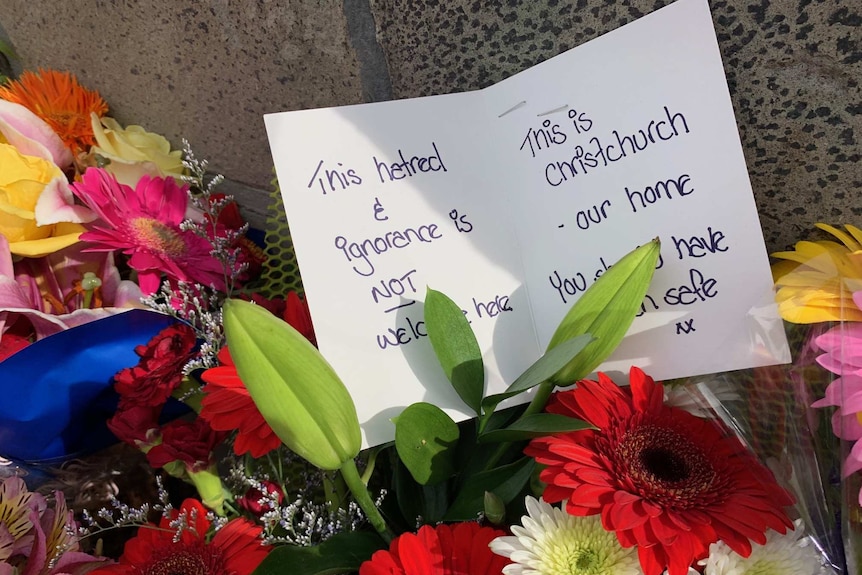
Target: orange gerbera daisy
point(61, 101)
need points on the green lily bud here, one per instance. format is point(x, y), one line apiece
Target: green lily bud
point(296, 390)
point(495, 509)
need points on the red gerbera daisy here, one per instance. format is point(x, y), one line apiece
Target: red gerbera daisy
point(145, 223)
point(662, 479)
point(235, 549)
point(227, 405)
point(459, 549)
point(293, 309)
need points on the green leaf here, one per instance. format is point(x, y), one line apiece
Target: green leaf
point(456, 348)
point(425, 438)
point(341, 553)
point(505, 482)
point(418, 503)
point(7, 50)
point(534, 425)
point(606, 311)
point(542, 370)
point(296, 391)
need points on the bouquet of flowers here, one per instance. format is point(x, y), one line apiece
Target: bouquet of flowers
point(247, 442)
point(819, 291)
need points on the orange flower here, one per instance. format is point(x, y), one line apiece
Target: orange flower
point(61, 101)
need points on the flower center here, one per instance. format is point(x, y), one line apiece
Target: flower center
point(585, 561)
point(666, 466)
point(186, 560)
point(581, 547)
point(765, 568)
point(158, 237)
point(578, 559)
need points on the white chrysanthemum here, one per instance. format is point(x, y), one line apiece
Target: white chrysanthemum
point(552, 542)
point(788, 554)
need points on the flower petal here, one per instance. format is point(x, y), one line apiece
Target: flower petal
point(57, 204)
point(31, 135)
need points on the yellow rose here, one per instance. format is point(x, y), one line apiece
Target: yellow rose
point(22, 181)
point(133, 152)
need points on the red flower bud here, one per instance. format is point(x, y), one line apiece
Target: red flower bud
point(252, 499)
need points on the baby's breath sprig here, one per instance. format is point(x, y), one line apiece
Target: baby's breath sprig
point(305, 523)
point(202, 193)
point(306, 520)
point(122, 515)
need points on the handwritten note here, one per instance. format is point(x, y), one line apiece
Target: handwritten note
point(514, 199)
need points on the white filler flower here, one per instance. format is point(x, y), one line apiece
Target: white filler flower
point(552, 542)
point(788, 554)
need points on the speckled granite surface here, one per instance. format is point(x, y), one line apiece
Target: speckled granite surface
point(204, 71)
point(208, 70)
point(794, 70)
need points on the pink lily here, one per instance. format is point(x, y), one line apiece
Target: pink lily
point(43, 289)
point(51, 538)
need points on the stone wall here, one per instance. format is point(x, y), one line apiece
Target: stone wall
point(207, 70)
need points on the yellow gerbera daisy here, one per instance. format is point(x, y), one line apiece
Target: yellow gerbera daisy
point(61, 101)
point(816, 281)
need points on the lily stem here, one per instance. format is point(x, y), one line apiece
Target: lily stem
point(363, 499)
point(537, 404)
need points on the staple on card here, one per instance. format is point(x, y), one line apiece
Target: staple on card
point(561, 108)
point(513, 108)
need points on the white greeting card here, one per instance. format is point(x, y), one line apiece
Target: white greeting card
point(512, 200)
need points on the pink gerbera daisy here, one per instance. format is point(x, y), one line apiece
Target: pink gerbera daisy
point(144, 222)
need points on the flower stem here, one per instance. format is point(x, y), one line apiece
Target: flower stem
point(537, 404)
point(363, 499)
point(543, 392)
point(369, 465)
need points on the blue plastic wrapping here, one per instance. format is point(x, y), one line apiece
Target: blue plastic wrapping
point(57, 392)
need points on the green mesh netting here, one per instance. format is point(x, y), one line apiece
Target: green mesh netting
point(280, 271)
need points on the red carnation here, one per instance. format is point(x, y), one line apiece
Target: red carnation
point(136, 425)
point(457, 549)
point(159, 371)
point(235, 549)
point(191, 442)
point(661, 478)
